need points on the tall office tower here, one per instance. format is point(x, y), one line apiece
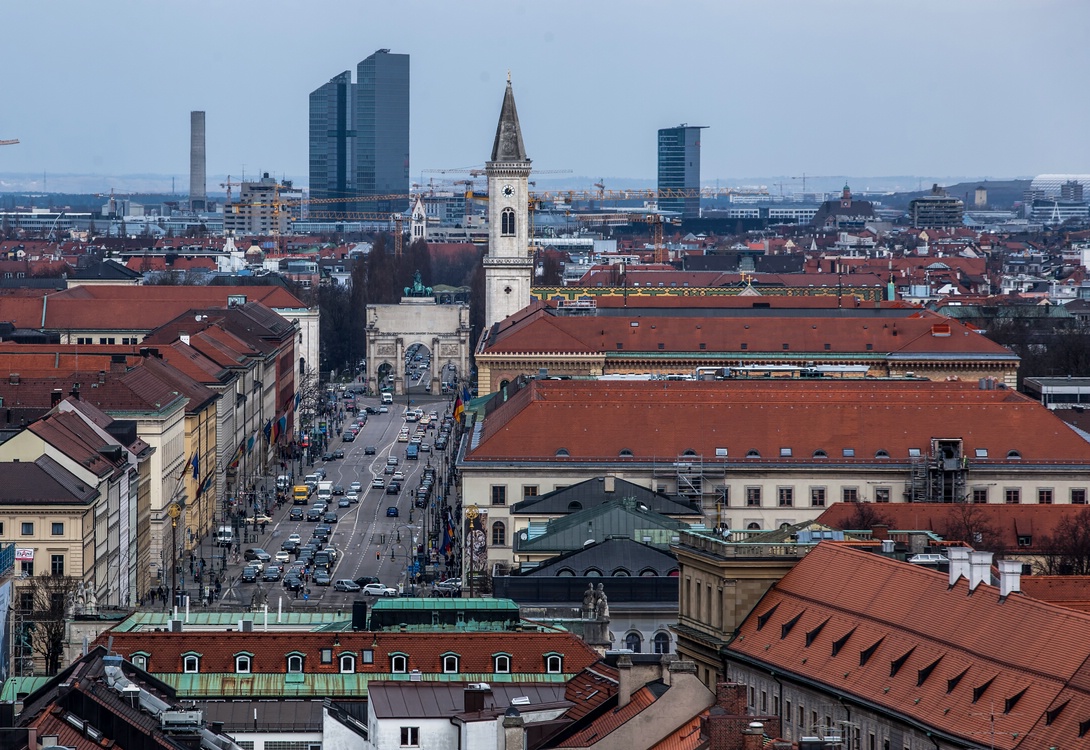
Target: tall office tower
point(333, 141)
point(382, 127)
point(679, 169)
point(198, 195)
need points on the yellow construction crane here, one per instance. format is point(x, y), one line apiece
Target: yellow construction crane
point(656, 221)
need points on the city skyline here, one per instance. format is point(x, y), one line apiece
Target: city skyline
point(785, 88)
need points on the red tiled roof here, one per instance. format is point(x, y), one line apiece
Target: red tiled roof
point(589, 689)
point(663, 419)
point(686, 737)
point(1009, 522)
point(908, 642)
point(1072, 592)
point(539, 329)
point(611, 720)
point(424, 650)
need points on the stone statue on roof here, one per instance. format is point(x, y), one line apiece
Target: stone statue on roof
point(588, 602)
point(601, 603)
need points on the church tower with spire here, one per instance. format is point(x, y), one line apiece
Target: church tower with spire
point(508, 266)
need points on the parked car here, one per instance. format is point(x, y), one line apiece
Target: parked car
point(256, 553)
point(259, 518)
point(327, 456)
point(391, 512)
point(343, 584)
point(450, 587)
point(377, 589)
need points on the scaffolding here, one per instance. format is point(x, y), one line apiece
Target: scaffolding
point(941, 476)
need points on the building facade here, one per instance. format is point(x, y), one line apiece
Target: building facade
point(679, 169)
point(382, 128)
point(333, 140)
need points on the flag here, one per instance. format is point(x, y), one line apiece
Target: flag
point(465, 394)
point(458, 408)
point(282, 425)
point(298, 398)
point(196, 466)
point(185, 468)
point(250, 442)
point(233, 463)
point(448, 535)
point(205, 484)
point(268, 431)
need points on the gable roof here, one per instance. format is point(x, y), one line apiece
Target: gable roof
point(874, 629)
point(593, 492)
point(613, 518)
point(420, 700)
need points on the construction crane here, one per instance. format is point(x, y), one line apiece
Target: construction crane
point(804, 177)
point(656, 221)
point(9, 142)
point(398, 220)
point(229, 185)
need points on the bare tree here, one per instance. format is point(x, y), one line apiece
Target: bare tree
point(44, 605)
point(865, 517)
point(1067, 551)
point(968, 522)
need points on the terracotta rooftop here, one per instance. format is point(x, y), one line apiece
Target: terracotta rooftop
point(603, 725)
point(755, 421)
point(1072, 592)
point(539, 329)
point(894, 634)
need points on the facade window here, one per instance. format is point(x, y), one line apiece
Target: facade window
point(106, 340)
point(633, 642)
point(367, 656)
point(450, 664)
point(84, 340)
point(753, 497)
point(410, 736)
point(529, 490)
point(785, 453)
point(140, 661)
point(662, 643)
point(27, 567)
point(27, 528)
point(507, 222)
point(348, 663)
point(1044, 495)
point(326, 655)
point(191, 664)
point(499, 494)
point(554, 664)
point(786, 496)
point(1, 528)
point(881, 494)
point(58, 528)
point(56, 565)
point(399, 664)
point(980, 494)
point(501, 664)
point(848, 452)
point(1012, 496)
point(817, 497)
point(1078, 497)
point(295, 664)
point(243, 664)
point(764, 702)
point(499, 534)
point(849, 495)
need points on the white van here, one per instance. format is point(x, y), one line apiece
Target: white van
point(225, 536)
point(387, 397)
point(283, 482)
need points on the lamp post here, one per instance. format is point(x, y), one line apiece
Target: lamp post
point(173, 510)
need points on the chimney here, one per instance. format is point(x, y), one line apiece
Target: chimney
point(74, 393)
point(117, 363)
point(959, 564)
point(1010, 577)
point(610, 483)
point(184, 338)
point(624, 681)
point(888, 546)
point(473, 697)
point(879, 531)
point(514, 733)
point(731, 697)
point(753, 736)
point(980, 568)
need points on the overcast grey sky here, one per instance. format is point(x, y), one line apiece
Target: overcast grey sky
point(859, 87)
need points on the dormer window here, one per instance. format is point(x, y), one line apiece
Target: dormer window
point(554, 663)
point(243, 663)
point(139, 660)
point(399, 663)
point(501, 663)
point(191, 663)
point(348, 663)
point(295, 663)
point(450, 663)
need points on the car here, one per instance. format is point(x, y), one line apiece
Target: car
point(364, 580)
point(296, 514)
point(928, 559)
point(289, 546)
point(295, 538)
point(377, 589)
point(338, 453)
point(283, 556)
point(330, 517)
point(390, 469)
point(344, 584)
point(320, 506)
point(249, 574)
point(259, 518)
point(272, 573)
point(440, 443)
point(355, 487)
point(344, 502)
point(399, 476)
point(425, 447)
point(393, 488)
point(321, 578)
point(321, 474)
point(256, 553)
point(370, 410)
point(314, 515)
point(338, 489)
point(327, 456)
point(293, 582)
point(378, 484)
point(451, 587)
point(352, 497)
point(392, 460)
point(391, 512)
point(383, 410)
point(370, 450)
point(348, 436)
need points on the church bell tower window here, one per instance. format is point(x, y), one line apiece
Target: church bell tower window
point(507, 222)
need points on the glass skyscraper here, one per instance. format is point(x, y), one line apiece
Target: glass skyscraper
point(359, 135)
point(679, 169)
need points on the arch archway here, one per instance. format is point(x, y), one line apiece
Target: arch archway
point(418, 326)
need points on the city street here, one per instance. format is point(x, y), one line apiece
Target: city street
point(370, 541)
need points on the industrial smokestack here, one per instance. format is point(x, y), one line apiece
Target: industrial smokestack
point(198, 197)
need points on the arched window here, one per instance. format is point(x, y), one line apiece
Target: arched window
point(191, 664)
point(754, 526)
point(753, 454)
point(621, 572)
point(662, 643)
point(554, 663)
point(689, 452)
point(507, 222)
point(881, 454)
point(562, 453)
point(648, 573)
point(565, 572)
point(450, 663)
point(820, 454)
point(499, 534)
point(625, 453)
point(399, 663)
point(295, 663)
point(574, 505)
point(593, 573)
point(633, 642)
point(501, 664)
point(140, 661)
point(243, 664)
point(1014, 456)
point(348, 663)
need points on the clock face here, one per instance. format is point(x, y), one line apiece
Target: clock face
point(508, 190)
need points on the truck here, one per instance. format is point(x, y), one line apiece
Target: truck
point(300, 494)
point(387, 397)
point(325, 491)
point(412, 452)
